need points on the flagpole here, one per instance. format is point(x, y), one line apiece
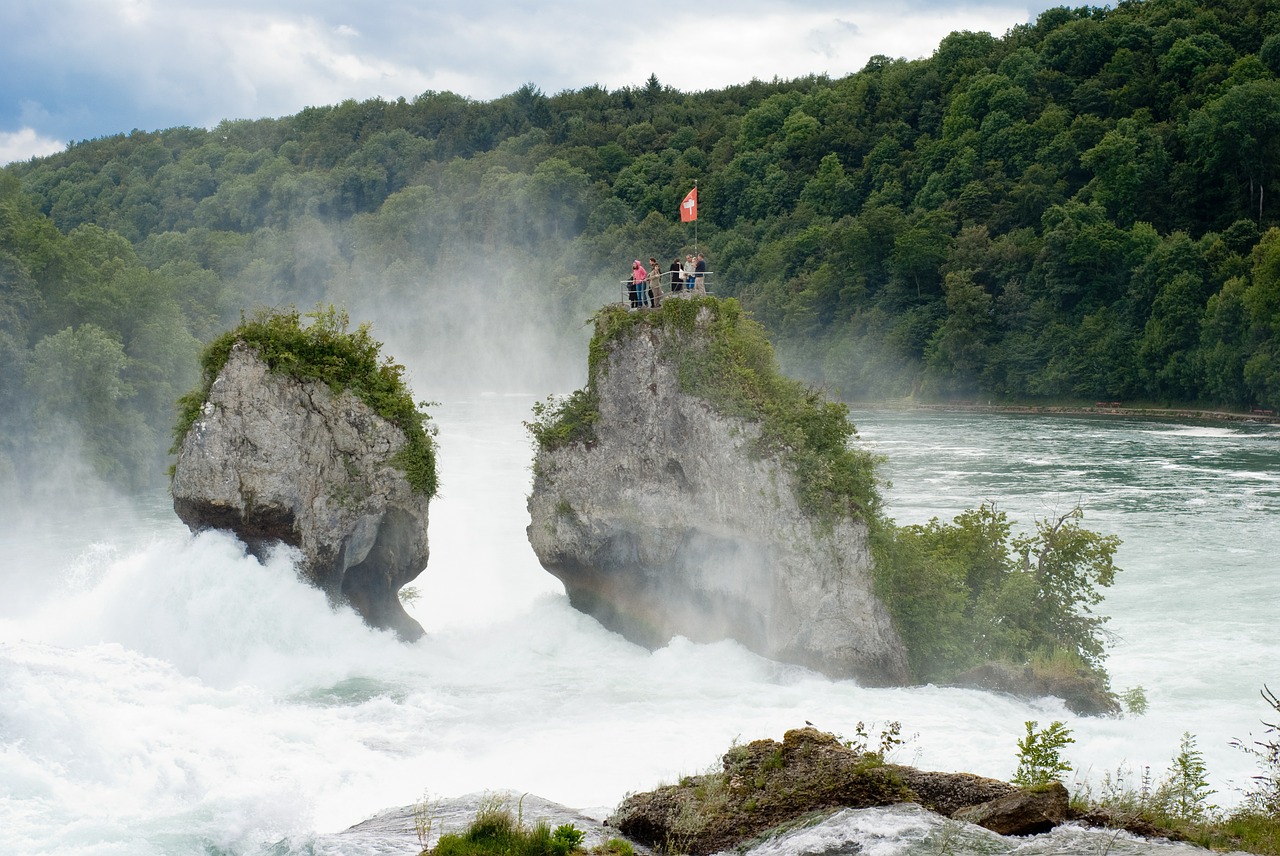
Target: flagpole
point(695, 221)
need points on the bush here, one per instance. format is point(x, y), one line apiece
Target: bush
point(562, 421)
point(1184, 793)
point(1040, 760)
point(969, 592)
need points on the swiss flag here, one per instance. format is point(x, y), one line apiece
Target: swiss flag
point(689, 207)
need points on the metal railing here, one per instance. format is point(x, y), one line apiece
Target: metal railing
point(666, 285)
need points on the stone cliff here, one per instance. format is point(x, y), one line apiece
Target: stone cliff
point(272, 457)
point(691, 490)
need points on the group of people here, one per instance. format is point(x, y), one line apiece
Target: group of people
point(645, 286)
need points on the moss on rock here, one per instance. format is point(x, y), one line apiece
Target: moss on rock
point(325, 351)
point(724, 358)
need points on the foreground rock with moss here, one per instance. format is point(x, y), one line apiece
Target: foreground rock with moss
point(692, 490)
point(802, 796)
point(283, 444)
point(766, 784)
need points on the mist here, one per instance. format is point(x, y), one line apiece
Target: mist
point(465, 329)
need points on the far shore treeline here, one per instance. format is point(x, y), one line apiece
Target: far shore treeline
point(1083, 209)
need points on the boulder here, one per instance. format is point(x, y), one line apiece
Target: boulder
point(947, 793)
point(765, 784)
point(668, 520)
point(276, 459)
point(1029, 811)
point(1084, 692)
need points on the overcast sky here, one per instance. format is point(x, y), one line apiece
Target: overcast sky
point(78, 69)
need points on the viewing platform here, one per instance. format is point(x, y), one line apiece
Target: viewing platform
point(666, 285)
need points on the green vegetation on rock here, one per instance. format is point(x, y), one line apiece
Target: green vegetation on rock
point(498, 831)
point(1177, 805)
point(328, 352)
point(756, 788)
point(971, 592)
point(723, 357)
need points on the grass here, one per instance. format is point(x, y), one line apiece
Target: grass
point(497, 831)
point(325, 351)
point(1246, 829)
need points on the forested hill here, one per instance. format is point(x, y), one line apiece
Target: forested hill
point(1082, 209)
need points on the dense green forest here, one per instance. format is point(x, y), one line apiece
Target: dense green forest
point(1078, 210)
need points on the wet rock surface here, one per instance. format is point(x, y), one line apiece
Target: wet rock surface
point(765, 784)
point(277, 459)
point(1084, 693)
point(669, 522)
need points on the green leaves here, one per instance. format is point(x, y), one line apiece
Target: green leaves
point(970, 591)
point(1040, 761)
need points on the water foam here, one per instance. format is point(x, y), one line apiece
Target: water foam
point(178, 695)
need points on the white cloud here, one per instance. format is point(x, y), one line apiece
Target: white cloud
point(26, 144)
point(149, 64)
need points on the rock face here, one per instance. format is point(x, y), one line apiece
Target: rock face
point(273, 458)
point(668, 523)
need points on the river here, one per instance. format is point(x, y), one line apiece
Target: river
point(166, 694)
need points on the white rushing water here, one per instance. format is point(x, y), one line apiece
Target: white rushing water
point(165, 694)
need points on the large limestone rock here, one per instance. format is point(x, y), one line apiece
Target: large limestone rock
point(272, 458)
point(668, 523)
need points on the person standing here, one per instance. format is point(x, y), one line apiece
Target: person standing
point(700, 275)
point(655, 283)
point(688, 272)
point(677, 276)
point(636, 283)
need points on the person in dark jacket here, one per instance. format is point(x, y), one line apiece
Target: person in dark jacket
point(677, 276)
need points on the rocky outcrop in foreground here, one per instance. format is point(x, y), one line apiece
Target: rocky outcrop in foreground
point(667, 520)
point(277, 459)
point(767, 791)
point(765, 783)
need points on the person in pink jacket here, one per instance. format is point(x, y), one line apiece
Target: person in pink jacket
point(638, 288)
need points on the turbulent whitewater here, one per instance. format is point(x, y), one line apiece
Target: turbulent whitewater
point(166, 694)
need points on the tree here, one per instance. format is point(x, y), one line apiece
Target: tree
point(558, 197)
point(969, 591)
point(1070, 565)
point(1130, 167)
point(1168, 345)
point(1236, 139)
point(1262, 302)
point(957, 352)
point(77, 379)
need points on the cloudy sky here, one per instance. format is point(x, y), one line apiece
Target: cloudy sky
point(77, 69)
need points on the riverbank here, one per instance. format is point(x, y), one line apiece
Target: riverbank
point(1108, 409)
